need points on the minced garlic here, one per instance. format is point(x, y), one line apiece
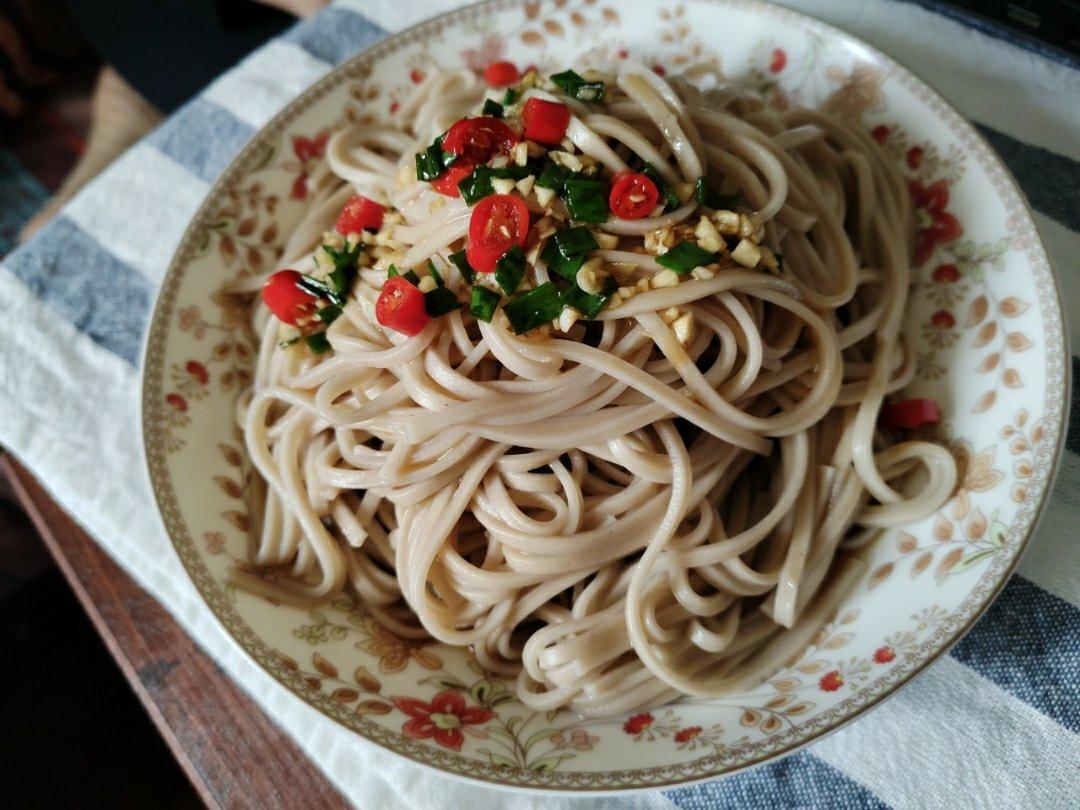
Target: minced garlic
point(708, 238)
point(665, 278)
point(746, 253)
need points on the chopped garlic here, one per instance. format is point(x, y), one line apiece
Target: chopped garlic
point(591, 276)
point(427, 284)
point(642, 285)
point(352, 240)
point(702, 273)
point(384, 238)
point(566, 144)
point(534, 149)
point(665, 278)
point(746, 253)
point(324, 262)
point(571, 162)
point(683, 327)
point(671, 314)
point(608, 241)
point(626, 292)
point(567, 318)
point(727, 222)
point(748, 226)
point(660, 240)
point(544, 196)
point(525, 184)
point(684, 191)
point(768, 259)
point(519, 153)
point(503, 185)
point(393, 218)
point(708, 237)
point(334, 239)
point(533, 254)
point(287, 332)
point(500, 162)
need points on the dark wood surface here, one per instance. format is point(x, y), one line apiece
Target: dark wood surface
point(232, 753)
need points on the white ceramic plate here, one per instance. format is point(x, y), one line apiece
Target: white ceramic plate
point(985, 317)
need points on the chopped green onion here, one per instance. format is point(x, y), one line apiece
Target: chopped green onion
point(435, 273)
point(317, 343)
point(575, 240)
point(433, 161)
point(410, 276)
point(316, 287)
point(554, 177)
point(711, 198)
point(510, 97)
point(534, 308)
point(573, 84)
point(440, 301)
point(493, 108)
point(670, 198)
point(684, 257)
point(587, 304)
point(477, 185)
point(329, 314)
point(482, 303)
point(559, 264)
point(585, 199)
point(461, 262)
point(284, 344)
point(510, 269)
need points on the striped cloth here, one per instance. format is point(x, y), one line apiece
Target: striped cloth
point(993, 724)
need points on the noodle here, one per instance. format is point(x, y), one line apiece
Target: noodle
point(652, 504)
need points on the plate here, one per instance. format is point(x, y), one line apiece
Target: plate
point(987, 327)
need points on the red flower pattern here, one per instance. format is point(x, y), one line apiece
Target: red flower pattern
point(491, 50)
point(831, 681)
point(638, 723)
point(914, 157)
point(943, 319)
point(197, 371)
point(443, 718)
point(935, 224)
point(307, 150)
point(659, 70)
point(779, 60)
point(883, 655)
point(176, 401)
point(881, 132)
point(416, 76)
point(946, 274)
point(687, 734)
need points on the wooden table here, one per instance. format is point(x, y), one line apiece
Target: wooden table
point(232, 753)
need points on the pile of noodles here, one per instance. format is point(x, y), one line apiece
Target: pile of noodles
point(611, 516)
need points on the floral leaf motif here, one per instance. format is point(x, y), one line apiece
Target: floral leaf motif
point(837, 641)
point(373, 707)
point(531, 37)
point(344, 694)
point(985, 402)
point(228, 486)
point(972, 559)
point(947, 562)
point(611, 15)
point(906, 542)
point(778, 701)
point(554, 28)
point(322, 665)
point(942, 529)
point(531, 10)
point(799, 708)
point(977, 526)
point(977, 311)
point(287, 662)
point(1011, 307)
point(981, 475)
point(810, 667)
point(1011, 378)
point(879, 575)
point(961, 505)
point(921, 563)
point(246, 227)
point(989, 362)
point(367, 681)
point(231, 454)
point(785, 684)
point(750, 717)
point(227, 249)
point(237, 519)
point(1017, 341)
point(984, 335)
point(770, 724)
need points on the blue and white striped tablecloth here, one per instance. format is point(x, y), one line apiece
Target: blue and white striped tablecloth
point(993, 724)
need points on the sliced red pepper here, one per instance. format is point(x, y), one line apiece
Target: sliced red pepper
point(400, 306)
point(447, 182)
point(545, 121)
point(499, 221)
point(478, 139)
point(909, 414)
point(286, 299)
point(360, 214)
point(501, 74)
point(633, 195)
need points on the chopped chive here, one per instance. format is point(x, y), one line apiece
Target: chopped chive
point(587, 304)
point(477, 185)
point(534, 308)
point(433, 161)
point(461, 262)
point(392, 271)
point(284, 344)
point(435, 273)
point(409, 276)
point(412, 278)
point(329, 314)
point(560, 265)
point(554, 177)
point(314, 286)
point(493, 108)
point(684, 257)
point(510, 97)
point(317, 343)
point(574, 84)
point(575, 240)
point(440, 301)
point(707, 196)
point(482, 303)
point(667, 194)
point(585, 200)
point(510, 269)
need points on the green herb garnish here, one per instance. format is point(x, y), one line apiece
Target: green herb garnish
point(684, 257)
point(329, 314)
point(563, 253)
point(433, 161)
point(317, 342)
point(511, 96)
point(575, 240)
point(510, 269)
point(534, 308)
point(477, 185)
point(560, 265)
point(492, 108)
point(440, 301)
point(482, 303)
point(585, 200)
point(707, 196)
point(573, 84)
point(587, 304)
point(409, 275)
point(554, 177)
point(284, 344)
point(461, 262)
point(435, 273)
point(667, 194)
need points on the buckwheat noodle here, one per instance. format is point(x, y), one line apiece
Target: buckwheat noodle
point(613, 515)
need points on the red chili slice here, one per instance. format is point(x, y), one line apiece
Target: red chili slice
point(499, 221)
point(360, 214)
point(477, 139)
point(447, 182)
point(545, 121)
point(286, 300)
point(400, 306)
point(633, 195)
point(501, 74)
point(909, 414)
